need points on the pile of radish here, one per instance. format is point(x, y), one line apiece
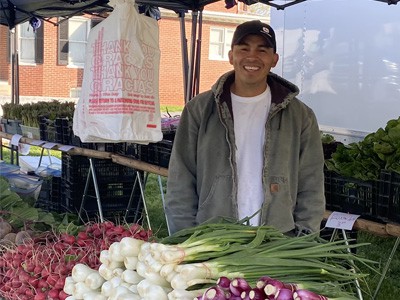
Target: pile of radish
point(37, 269)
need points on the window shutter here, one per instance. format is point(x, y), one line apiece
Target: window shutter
point(94, 22)
point(63, 43)
point(39, 44)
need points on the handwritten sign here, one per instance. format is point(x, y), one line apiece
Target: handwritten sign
point(341, 220)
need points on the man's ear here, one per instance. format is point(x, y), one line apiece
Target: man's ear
point(230, 56)
point(275, 60)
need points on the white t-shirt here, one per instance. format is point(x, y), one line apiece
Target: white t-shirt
point(250, 115)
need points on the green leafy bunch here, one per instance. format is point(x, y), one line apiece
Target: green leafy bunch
point(364, 160)
point(20, 214)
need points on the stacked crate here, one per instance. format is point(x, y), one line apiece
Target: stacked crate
point(66, 136)
point(115, 183)
point(47, 129)
point(50, 195)
point(389, 195)
point(375, 200)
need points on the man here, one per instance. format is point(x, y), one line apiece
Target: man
point(248, 147)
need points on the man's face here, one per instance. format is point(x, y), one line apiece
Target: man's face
point(252, 60)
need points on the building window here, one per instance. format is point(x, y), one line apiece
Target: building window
point(26, 43)
point(72, 38)
point(30, 44)
point(78, 31)
point(220, 43)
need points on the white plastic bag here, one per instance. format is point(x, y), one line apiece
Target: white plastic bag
point(119, 101)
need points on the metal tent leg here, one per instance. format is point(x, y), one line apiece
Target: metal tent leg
point(92, 174)
point(131, 198)
point(143, 198)
point(162, 198)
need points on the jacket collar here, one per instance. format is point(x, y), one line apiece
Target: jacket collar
point(281, 89)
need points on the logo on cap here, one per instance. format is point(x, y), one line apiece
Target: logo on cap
point(266, 30)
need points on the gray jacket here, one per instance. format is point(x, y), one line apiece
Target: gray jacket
point(202, 170)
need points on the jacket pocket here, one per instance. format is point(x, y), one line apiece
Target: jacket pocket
point(281, 205)
point(280, 192)
point(218, 201)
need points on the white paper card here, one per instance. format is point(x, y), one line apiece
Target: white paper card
point(65, 148)
point(15, 139)
point(23, 149)
point(49, 145)
point(341, 220)
point(37, 142)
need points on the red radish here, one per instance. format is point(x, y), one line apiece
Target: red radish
point(39, 296)
point(53, 294)
point(62, 295)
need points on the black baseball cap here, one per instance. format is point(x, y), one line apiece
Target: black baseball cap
point(254, 27)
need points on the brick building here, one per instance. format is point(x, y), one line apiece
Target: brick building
point(48, 70)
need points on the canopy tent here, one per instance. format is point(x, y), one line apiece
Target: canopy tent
point(14, 12)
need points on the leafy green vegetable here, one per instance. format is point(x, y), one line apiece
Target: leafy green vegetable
point(20, 214)
point(327, 138)
point(365, 160)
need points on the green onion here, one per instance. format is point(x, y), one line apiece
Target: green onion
point(234, 250)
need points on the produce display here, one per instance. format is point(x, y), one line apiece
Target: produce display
point(192, 264)
point(46, 256)
point(37, 268)
point(364, 160)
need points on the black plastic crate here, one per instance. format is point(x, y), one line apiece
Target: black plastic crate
point(63, 130)
point(389, 195)
point(66, 136)
point(156, 153)
point(76, 167)
point(114, 198)
point(115, 183)
point(47, 129)
point(353, 196)
point(50, 195)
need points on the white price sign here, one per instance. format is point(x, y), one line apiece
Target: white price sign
point(341, 220)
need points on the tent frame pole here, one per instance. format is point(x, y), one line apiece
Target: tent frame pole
point(184, 48)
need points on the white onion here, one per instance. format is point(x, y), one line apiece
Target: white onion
point(131, 277)
point(130, 262)
point(94, 280)
point(80, 272)
point(130, 246)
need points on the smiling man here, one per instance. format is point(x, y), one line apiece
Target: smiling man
point(248, 148)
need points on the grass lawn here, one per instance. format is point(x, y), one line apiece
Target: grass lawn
point(379, 249)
